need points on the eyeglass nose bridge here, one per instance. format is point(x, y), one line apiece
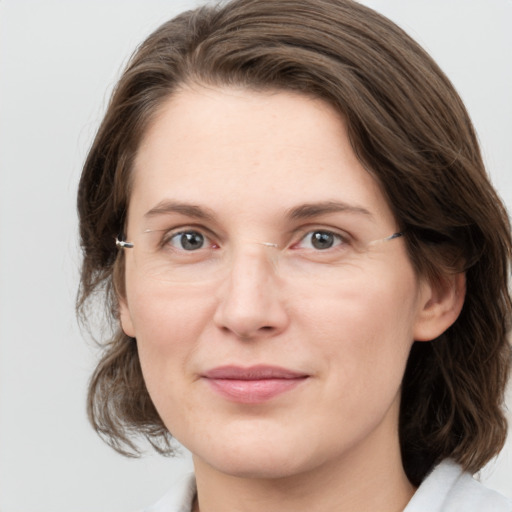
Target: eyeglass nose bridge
point(265, 244)
point(250, 261)
point(272, 255)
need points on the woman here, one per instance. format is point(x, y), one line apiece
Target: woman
point(287, 210)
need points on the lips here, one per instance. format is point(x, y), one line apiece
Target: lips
point(252, 385)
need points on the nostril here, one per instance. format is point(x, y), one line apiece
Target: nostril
point(249, 335)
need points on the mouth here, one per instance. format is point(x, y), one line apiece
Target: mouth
point(252, 385)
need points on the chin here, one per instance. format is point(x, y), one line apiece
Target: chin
point(256, 458)
point(257, 466)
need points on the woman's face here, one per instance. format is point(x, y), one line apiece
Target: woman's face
point(272, 320)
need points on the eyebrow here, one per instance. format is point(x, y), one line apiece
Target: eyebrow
point(190, 210)
point(304, 211)
point(309, 210)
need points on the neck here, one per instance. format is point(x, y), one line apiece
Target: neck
point(368, 478)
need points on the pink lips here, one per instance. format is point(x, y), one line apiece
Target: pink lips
point(252, 385)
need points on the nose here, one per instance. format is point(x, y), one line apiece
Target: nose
point(250, 300)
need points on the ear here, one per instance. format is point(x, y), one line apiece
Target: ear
point(125, 318)
point(441, 304)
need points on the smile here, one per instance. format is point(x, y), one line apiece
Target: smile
point(252, 385)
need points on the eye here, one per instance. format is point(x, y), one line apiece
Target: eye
point(321, 240)
point(188, 240)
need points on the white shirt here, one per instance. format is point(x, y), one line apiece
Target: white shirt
point(446, 489)
point(449, 489)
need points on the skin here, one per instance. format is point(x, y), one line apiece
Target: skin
point(345, 320)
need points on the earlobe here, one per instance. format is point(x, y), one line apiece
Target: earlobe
point(125, 318)
point(442, 304)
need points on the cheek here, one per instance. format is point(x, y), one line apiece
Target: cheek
point(167, 325)
point(162, 314)
point(364, 326)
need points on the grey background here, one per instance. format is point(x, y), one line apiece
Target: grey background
point(58, 62)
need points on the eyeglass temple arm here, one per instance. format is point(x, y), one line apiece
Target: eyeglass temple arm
point(121, 244)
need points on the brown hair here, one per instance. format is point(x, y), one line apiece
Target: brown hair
point(411, 131)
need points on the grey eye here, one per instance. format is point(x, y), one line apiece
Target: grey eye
point(188, 240)
point(322, 240)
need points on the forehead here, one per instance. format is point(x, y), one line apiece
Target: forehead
point(237, 150)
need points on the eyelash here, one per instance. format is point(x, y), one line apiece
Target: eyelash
point(337, 239)
point(173, 234)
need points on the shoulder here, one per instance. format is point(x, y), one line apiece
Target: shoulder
point(449, 489)
point(179, 498)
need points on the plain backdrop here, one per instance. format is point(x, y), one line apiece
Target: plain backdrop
point(58, 62)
